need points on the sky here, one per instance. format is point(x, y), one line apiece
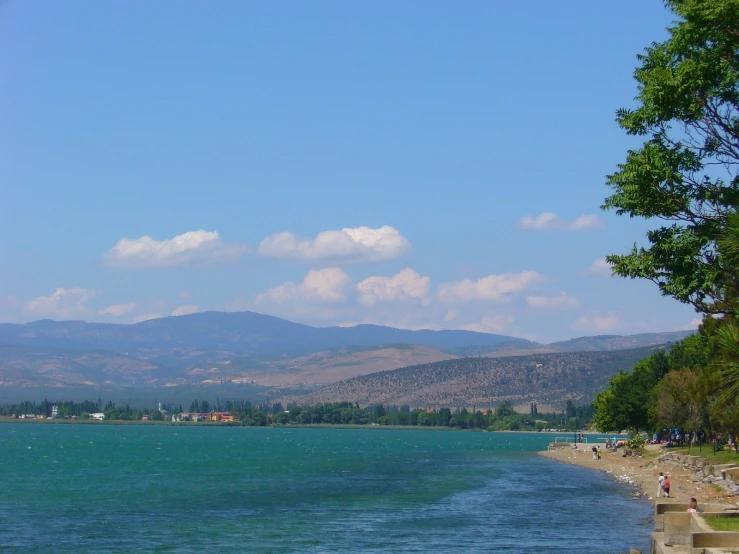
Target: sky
point(418, 164)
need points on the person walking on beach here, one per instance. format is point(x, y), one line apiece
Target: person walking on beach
point(599, 452)
point(595, 452)
point(661, 485)
point(667, 487)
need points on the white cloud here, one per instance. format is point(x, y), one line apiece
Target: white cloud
point(323, 285)
point(450, 315)
point(118, 309)
point(562, 301)
point(597, 323)
point(61, 303)
point(185, 310)
point(146, 317)
point(491, 324)
point(548, 221)
point(405, 285)
point(599, 267)
point(693, 325)
point(358, 244)
point(195, 248)
point(492, 288)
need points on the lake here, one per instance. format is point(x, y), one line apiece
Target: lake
point(194, 489)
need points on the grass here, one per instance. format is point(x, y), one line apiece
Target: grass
point(723, 523)
point(649, 453)
point(727, 456)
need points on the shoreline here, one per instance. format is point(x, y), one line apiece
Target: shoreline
point(642, 472)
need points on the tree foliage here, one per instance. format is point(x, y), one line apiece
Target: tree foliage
point(685, 173)
point(625, 404)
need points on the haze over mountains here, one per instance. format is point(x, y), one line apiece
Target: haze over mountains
point(241, 332)
point(249, 348)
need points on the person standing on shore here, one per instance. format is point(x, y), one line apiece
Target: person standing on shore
point(595, 452)
point(661, 485)
point(667, 487)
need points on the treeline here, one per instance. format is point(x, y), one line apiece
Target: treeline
point(683, 392)
point(65, 409)
point(503, 418)
point(329, 413)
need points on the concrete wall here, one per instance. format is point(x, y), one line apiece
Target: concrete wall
point(677, 527)
point(713, 540)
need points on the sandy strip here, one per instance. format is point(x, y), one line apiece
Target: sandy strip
point(644, 472)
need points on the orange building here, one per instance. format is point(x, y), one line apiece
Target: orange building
point(220, 416)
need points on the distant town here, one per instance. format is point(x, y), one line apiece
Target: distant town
point(501, 418)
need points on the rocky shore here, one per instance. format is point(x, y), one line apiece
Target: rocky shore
point(642, 473)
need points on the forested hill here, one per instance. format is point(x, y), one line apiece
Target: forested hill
point(549, 379)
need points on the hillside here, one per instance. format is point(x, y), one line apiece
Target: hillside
point(549, 379)
point(25, 366)
point(597, 343)
point(615, 342)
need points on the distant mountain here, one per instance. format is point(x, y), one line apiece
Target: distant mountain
point(597, 343)
point(214, 348)
point(238, 332)
point(548, 379)
point(616, 342)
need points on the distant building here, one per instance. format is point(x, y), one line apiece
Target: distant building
point(194, 416)
point(97, 416)
point(54, 411)
point(220, 416)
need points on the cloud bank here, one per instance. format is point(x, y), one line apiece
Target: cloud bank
point(405, 285)
point(549, 221)
point(324, 286)
point(599, 267)
point(185, 310)
point(358, 244)
point(61, 303)
point(195, 248)
point(493, 288)
point(597, 323)
point(118, 309)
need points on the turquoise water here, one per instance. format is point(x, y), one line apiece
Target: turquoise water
point(192, 489)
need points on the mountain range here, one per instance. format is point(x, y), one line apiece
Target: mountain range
point(249, 348)
point(241, 332)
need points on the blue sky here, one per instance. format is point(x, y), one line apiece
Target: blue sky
point(328, 162)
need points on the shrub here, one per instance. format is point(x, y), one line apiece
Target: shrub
point(636, 442)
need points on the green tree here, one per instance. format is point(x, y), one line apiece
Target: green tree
point(611, 412)
point(504, 409)
point(685, 173)
point(625, 404)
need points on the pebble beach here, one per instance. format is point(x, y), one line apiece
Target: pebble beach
point(642, 472)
